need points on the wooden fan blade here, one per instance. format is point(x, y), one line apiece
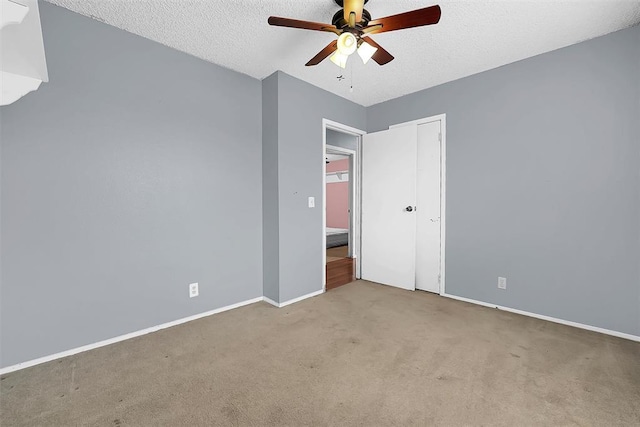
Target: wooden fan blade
point(353, 6)
point(303, 25)
point(416, 18)
point(381, 56)
point(323, 54)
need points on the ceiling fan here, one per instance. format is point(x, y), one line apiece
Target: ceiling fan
point(353, 25)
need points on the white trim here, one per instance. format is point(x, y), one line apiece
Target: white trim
point(124, 337)
point(270, 301)
point(443, 200)
point(547, 318)
point(292, 301)
point(429, 119)
point(357, 158)
point(146, 331)
point(330, 124)
point(443, 186)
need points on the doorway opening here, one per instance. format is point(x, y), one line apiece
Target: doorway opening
point(341, 204)
point(338, 180)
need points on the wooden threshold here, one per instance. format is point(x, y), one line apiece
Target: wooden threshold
point(340, 272)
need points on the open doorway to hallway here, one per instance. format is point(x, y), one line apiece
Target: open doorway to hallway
point(338, 212)
point(341, 205)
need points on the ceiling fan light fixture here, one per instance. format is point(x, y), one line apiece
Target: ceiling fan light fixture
point(353, 25)
point(366, 51)
point(347, 43)
point(339, 59)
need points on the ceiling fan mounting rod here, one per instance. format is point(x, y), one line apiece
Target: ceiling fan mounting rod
point(339, 22)
point(352, 20)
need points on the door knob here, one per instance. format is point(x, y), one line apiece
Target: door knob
point(409, 209)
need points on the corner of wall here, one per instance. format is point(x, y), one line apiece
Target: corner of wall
point(270, 208)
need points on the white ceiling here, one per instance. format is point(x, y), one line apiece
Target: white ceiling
point(472, 36)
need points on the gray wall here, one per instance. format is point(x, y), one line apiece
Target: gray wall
point(543, 181)
point(301, 108)
point(135, 171)
point(139, 169)
point(270, 211)
point(341, 139)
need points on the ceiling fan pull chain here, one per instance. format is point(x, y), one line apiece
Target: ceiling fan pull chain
point(351, 88)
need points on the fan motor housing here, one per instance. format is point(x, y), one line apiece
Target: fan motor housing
point(341, 2)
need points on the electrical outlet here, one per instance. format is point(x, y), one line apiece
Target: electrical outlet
point(312, 202)
point(193, 290)
point(502, 283)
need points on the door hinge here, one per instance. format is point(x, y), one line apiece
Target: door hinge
point(440, 136)
point(439, 277)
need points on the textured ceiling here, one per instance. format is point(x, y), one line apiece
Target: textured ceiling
point(472, 36)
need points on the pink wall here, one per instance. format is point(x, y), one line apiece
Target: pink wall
point(338, 165)
point(338, 197)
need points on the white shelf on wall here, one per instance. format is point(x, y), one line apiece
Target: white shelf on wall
point(338, 176)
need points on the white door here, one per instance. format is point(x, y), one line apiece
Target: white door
point(389, 165)
point(428, 208)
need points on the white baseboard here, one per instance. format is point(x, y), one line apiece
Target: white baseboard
point(99, 344)
point(270, 301)
point(548, 318)
point(88, 347)
point(292, 301)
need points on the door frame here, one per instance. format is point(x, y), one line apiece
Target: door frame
point(443, 193)
point(355, 177)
